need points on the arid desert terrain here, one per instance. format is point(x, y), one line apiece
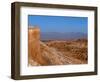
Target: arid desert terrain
point(55, 52)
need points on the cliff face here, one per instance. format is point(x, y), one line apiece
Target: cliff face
point(34, 46)
point(39, 53)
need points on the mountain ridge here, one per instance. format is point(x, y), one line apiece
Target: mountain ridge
point(62, 36)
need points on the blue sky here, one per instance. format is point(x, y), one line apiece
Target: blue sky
point(59, 23)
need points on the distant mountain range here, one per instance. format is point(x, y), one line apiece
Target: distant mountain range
point(62, 36)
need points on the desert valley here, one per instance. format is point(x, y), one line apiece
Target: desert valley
point(56, 51)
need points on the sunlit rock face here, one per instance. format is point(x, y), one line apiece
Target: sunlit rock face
point(34, 45)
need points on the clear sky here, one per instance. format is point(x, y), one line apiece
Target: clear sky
point(59, 23)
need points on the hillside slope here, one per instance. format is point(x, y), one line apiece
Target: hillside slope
point(53, 57)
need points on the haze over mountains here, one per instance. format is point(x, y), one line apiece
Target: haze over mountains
point(62, 36)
